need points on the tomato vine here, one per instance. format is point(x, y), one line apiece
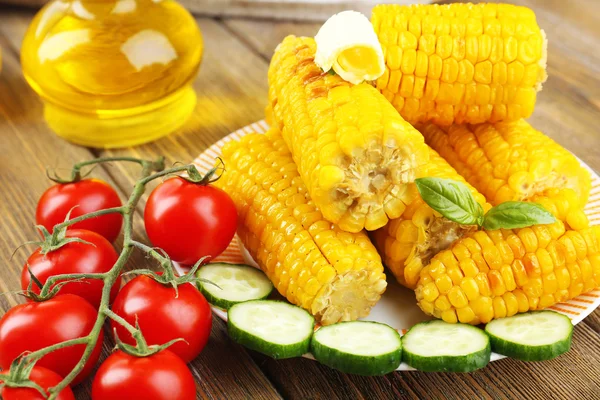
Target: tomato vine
point(151, 170)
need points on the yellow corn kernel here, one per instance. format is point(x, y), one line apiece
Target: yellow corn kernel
point(457, 297)
point(466, 315)
point(449, 316)
point(442, 303)
point(483, 308)
point(471, 49)
point(534, 280)
point(310, 261)
point(443, 283)
point(515, 162)
point(353, 151)
point(430, 292)
point(499, 307)
point(470, 288)
point(511, 303)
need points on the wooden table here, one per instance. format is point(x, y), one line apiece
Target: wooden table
point(232, 88)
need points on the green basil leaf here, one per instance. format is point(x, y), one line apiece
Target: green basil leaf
point(452, 199)
point(516, 214)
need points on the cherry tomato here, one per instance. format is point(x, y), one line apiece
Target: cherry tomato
point(163, 315)
point(43, 377)
point(87, 195)
point(161, 376)
point(33, 326)
point(97, 257)
point(190, 221)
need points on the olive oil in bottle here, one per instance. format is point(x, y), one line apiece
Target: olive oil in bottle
point(113, 73)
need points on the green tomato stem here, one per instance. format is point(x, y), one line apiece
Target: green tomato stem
point(83, 217)
point(76, 170)
point(36, 355)
point(121, 321)
point(51, 281)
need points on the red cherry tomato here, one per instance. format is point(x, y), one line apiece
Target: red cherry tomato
point(161, 376)
point(43, 377)
point(190, 221)
point(33, 326)
point(163, 315)
point(97, 257)
point(87, 195)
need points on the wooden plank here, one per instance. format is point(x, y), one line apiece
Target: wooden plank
point(27, 148)
point(263, 37)
point(308, 10)
point(223, 369)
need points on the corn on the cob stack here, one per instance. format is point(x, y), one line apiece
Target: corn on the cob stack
point(407, 243)
point(353, 150)
point(461, 63)
point(495, 274)
point(509, 161)
point(335, 275)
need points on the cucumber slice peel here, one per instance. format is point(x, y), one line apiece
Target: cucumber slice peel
point(275, 328)
point(235, 283)
point(358, 347)
point(532, 336)
point(437, 346)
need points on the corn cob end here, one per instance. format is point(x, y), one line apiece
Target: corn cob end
point(338, 300)
point(335, 275)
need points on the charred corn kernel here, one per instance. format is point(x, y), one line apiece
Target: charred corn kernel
point(479, 75)
point(535, 280)
point(409, 241)
point(335, 275)
point(518, 163)
point(352, 149)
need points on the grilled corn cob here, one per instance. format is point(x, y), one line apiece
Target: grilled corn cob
point(461, 63)
point(495, 274)
point(508, 160)
point(335, 275)
point(353, 150)
point(407, 243)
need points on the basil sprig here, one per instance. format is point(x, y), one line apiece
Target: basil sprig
point(454, 200)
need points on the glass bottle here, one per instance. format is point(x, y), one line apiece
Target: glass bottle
point(113, 73)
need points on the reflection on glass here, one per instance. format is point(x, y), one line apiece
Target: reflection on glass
point(113, 72)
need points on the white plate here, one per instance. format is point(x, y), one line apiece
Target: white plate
point(398, 307)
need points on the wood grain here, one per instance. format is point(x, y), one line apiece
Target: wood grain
point(232, 89)
point(310, 10)
point(296, 10)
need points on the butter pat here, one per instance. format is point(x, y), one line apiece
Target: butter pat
point(348, 44)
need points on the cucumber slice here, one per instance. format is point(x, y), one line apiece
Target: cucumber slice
point(437, 346)
point(532, 336)
point(236, 283)
point(358, 347)
point(277, 329)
